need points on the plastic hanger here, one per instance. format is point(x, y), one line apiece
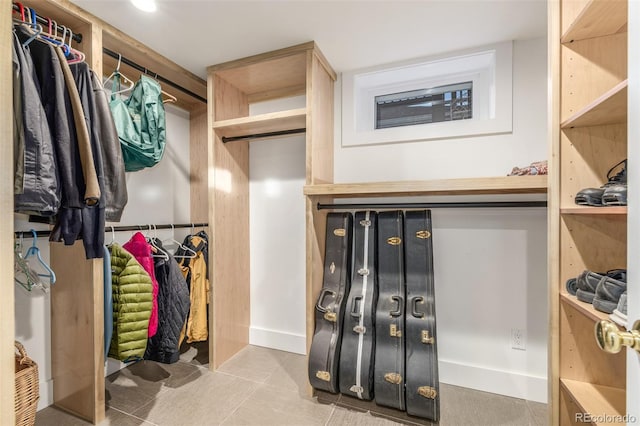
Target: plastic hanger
point(23, 274)
point(116, 75)
point(170, 98)
point(34, 250)
point(78, 56)
point(192, 254)
point(156, 251)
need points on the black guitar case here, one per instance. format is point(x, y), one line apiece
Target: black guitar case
point(422, 386)
point(358, 336)
point(390, 312)
point(324, 355)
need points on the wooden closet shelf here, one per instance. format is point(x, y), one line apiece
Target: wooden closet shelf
point(263, 123)
point(599, 401)
point(464, 186)
point(597, 18)
point(586, 210)
point(610, 108)
point(585, 309)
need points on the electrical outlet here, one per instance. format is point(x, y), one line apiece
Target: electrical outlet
point(518, 339)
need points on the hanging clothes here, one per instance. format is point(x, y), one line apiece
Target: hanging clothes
point(140, 121)
point(115, 184)
point(108, 302)
point(39, 192)
point(173, 307)
point(141, 250)
point(18, 124)
point(132, 292)
point(196, 273)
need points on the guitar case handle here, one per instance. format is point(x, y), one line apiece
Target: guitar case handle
point(319, 306)
point(398, 311)
point(354, 306)
point(414, 306)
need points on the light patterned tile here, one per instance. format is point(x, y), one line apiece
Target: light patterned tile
point(52, 416)
point(205, 401)
point(254, 363)
point(539, 413)
point(271, 405)
point(343, 416)
point(291, 374)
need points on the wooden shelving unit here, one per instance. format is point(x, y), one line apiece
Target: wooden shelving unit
point(297, 70)
point(610, 108)
point(588, 51)
point(263, 123)
point(606, 211)
point(596, 399)
point(596, 18)
point(77, 345)
point(466, 186)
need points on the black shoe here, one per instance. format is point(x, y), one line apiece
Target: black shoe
point(612, 193)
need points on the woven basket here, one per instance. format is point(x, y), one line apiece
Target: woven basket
point(27, 388)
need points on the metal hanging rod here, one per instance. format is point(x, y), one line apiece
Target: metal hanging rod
point(45, 22)
point(148, 72)
point(468, 204)
point(27, 234)
point(226, 139)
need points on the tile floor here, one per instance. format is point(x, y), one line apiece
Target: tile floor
point(267, 387)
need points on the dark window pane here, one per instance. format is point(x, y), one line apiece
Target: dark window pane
point(437, 104)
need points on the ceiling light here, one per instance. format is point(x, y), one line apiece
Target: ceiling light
point(145, 5)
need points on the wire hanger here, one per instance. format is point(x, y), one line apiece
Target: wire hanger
point(156, 251)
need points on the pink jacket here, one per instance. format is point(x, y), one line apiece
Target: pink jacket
point(141, 250)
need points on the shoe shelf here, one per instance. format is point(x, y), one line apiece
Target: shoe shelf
point(263, 123)
point(597, 18)
point(585, 309)
point(586, 210)
point(610, 108)
point(604, 403)
point(463, 186)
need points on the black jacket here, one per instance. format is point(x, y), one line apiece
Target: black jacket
point(115, 184)
point(173, 307)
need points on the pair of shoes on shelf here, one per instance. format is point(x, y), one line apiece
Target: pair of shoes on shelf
point(619, 315)
point(602, 290)
point(612, 193)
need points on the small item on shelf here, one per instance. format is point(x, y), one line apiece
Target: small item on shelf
point(619, 315)
point(604, 286)
point(535, 168)
point(612, 193)
point(608, 294)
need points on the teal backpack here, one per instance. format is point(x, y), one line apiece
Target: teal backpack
point(140, 122)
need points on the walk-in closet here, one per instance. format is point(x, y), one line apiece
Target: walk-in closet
point(356, 212)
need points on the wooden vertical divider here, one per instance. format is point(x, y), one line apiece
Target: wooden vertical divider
point(229, 219)
point(7, 319)
point(77, 306)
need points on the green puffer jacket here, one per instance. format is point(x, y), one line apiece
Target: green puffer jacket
point(132, 303)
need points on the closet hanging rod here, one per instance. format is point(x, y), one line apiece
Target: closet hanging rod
point(226, 139)
point(150, 73)
point(45, 23)
point(467, 204)
point(27, 234)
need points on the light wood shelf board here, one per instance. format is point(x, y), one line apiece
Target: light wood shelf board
point(263, 123)
point(584, 308)
point(595, 399)
point(586, 210)
point(598, 18)
point(610, 108)
point(464, 186)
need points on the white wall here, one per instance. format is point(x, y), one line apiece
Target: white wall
point(277, 242)
point(159, 195)
point(490, 264)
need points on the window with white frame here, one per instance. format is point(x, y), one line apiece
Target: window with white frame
point(456, 95)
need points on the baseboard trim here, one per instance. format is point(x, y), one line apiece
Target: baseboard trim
point(46, 394)
point(276, 339)
point(508, 383)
